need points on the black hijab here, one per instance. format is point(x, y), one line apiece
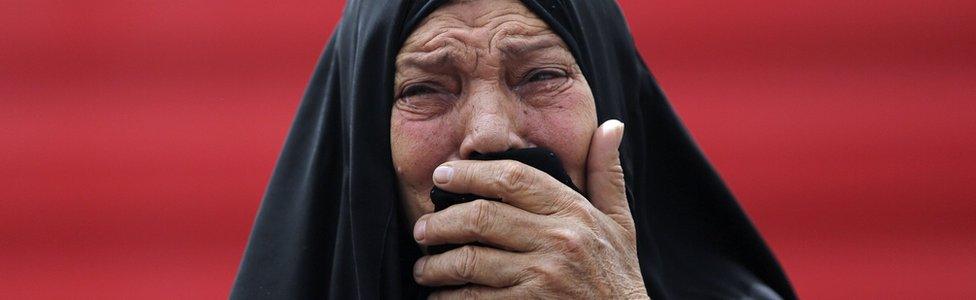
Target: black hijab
point(330, 222)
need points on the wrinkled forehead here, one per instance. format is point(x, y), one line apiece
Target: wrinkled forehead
point(505, 25)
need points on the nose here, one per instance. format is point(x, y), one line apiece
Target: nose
point(492, 125)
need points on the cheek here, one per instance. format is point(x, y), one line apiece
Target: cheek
point(420, 146)
point(565, 127)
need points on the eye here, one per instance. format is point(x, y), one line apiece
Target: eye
point(423, 101)
point(417, 90)
point(545, 74)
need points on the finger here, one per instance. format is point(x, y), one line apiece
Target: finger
point(480, 292)
point(510, 181)
point(487, 222)
point(471, 264)
point(605, 176)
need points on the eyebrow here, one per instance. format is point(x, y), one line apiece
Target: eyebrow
point(439, 58)
point(517, 46)
point(510, 47)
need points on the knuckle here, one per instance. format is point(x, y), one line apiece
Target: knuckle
point(570, 242)
point(468, 293)
point(545, 272)
point(614, 175)
point(513, 177)
point(482, 217)
point(587, 214)
point(616, 171)
point(466, 262)
point(602, 244)
point(618, 180)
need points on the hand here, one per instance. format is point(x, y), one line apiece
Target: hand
point(546, 240)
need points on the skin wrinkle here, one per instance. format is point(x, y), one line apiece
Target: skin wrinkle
point(513, 27)
point(447, 57)
point(520, 45)
point(501, 29)
point(482, 79)
point(480, 56)
point(521, 27)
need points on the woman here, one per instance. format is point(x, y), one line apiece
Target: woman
point(408, 92)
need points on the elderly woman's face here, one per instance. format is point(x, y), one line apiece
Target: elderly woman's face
point(485, 76)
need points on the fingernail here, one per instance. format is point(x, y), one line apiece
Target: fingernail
point(418, 268)
point(615, 130)
point(419, 230)
point(443, 174)
point(615, 124)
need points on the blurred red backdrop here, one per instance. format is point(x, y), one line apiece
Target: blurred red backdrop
point(138, 136)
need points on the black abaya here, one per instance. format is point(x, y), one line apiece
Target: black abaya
point(330, 227)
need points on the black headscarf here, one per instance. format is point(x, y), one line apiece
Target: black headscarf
point(330, 223)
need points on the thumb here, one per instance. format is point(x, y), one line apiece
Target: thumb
point(604, 174)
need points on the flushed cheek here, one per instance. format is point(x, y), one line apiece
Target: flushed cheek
point(566, 129)
point(419, 147)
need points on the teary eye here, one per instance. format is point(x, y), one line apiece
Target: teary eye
point(417, 90)
point(546, 74)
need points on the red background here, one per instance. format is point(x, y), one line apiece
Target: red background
point(138, 136)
